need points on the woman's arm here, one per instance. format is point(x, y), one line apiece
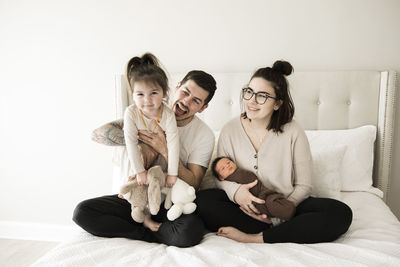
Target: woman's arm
point(110, 134)
point(302, 166)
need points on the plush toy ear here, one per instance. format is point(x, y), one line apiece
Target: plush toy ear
point(168, 201)
point(127, 187)
point(191, 191)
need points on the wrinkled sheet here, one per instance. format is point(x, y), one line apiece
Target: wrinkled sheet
point(372, 240)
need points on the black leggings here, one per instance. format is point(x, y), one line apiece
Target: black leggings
point(110, 216)
point(316, 219)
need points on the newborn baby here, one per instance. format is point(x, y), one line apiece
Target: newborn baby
point(276, 205)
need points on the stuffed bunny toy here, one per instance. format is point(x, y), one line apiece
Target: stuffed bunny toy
point(141, 195)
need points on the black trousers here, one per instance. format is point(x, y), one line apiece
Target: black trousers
point(110, 216)
point(316, 219)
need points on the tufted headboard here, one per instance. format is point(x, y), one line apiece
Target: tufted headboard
point(323, 101)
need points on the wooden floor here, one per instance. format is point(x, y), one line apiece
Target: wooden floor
point(17, 253)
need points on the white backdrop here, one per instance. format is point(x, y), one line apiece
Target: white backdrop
point(58, 60)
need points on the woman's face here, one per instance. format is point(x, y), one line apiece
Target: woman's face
point(148, 97)
point(264, 111)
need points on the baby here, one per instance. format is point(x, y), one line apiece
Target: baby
point(276, 205)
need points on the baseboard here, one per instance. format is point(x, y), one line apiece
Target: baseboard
point(37, 231)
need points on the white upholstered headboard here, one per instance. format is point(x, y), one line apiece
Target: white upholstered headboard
point(323, 100)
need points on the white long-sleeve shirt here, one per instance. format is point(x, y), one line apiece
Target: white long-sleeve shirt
point(133, 123)
point(283, 162)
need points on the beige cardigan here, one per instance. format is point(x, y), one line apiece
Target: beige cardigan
point(282, 164)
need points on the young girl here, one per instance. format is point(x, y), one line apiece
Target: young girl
point(148, 85)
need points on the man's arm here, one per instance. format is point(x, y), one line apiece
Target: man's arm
point(110, 134)
point(192, 175)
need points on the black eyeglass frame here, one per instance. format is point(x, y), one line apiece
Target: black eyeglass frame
point(245, 89)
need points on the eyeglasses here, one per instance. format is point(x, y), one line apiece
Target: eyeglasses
point(261, 97)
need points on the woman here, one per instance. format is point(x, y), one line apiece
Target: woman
point(266, 141)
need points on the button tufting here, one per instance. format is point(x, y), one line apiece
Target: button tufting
point(255, 167)
point(231, 102)
point(255, 156)
point(348, 102)
point(318, 102)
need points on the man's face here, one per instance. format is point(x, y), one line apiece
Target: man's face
point(189, 99)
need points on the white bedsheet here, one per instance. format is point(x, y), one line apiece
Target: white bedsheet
point(372, 240)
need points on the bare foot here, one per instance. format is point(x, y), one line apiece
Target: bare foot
point(235, 234)
point(121, 196)
point(152, 225)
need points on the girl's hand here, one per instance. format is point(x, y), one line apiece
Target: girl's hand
point(245, 199)
point(171, 180)
point(142, 178)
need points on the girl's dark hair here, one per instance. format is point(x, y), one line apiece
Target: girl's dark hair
point(214, 165)
point(204, 80)
point(146, 69)
point(276, 76)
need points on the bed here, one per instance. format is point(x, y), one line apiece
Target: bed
point(349, 121)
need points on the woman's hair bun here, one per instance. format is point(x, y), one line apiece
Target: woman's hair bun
point(283, 67)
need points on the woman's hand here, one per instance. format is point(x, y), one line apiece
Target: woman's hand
point(260, 217)
point(141, 178)
point(157, 140)
point(245, 199)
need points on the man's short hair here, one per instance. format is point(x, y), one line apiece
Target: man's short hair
point(204, 80)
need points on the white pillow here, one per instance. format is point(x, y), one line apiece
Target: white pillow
point(326, 178)
point(357, 163)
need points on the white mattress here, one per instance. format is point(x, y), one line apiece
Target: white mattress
point(372, 240)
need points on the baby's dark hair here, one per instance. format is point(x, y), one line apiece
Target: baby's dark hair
point(277, 77)
point(146, 69)
point(214, 165)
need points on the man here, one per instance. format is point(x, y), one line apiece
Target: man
point(110, 216)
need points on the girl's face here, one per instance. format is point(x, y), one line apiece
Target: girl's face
point(256, 111)
point(148, 97)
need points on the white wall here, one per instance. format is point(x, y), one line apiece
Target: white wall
point(58, 60)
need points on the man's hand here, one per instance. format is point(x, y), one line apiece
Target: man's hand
point(148, 155)
point(157, 141)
